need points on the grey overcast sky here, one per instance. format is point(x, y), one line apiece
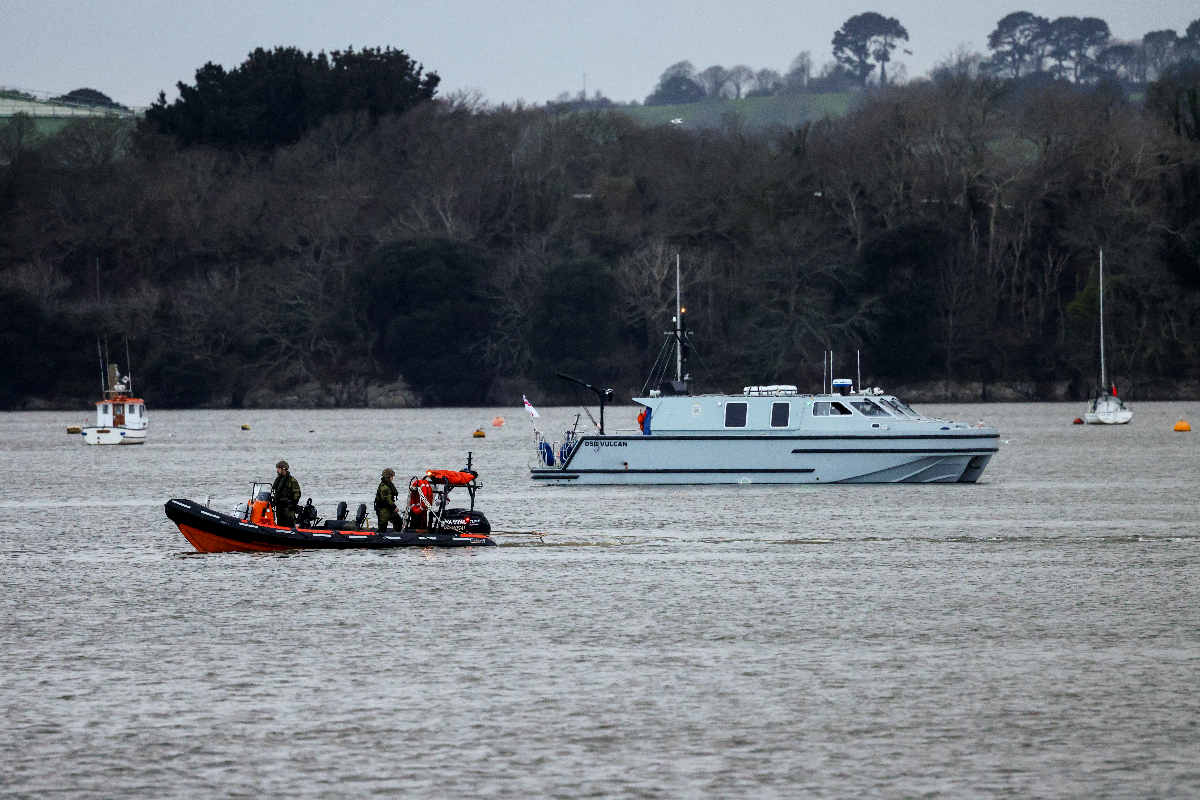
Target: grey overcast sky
point(506, 49)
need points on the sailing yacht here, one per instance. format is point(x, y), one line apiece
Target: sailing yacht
point(1105, 408)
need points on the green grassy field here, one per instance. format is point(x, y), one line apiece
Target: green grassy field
point(755, 112)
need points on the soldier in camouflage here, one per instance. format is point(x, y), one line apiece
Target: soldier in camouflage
point(385, 502)
point(286, 493)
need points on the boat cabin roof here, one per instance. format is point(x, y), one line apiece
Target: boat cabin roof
point(775, 411)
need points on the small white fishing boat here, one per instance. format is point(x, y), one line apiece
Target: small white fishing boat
point(1106, 408)
point(120, 418)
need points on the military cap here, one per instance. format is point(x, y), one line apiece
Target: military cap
point(389, 473)
point(281, 465)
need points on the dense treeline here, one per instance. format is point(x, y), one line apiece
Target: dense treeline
point(949, 228)
point(276, 96)
point(1023, 44)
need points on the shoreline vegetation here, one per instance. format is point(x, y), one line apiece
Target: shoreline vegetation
point(396, 396)
point(327, 231)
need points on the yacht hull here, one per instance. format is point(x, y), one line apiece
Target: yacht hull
point(1107, 417)
point(1107, 410)
point(796, 459)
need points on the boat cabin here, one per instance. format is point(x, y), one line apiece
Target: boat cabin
point(769, 409)
point(121, 412)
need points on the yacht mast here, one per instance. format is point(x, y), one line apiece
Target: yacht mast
point(1103, 372)
point(678, 325)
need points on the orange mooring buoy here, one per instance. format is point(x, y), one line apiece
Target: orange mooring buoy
point(497, 422)
point(1183, 426)
point(1077, 421)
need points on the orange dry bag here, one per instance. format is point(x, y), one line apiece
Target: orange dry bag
point(449, 477)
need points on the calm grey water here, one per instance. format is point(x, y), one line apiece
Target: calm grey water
point(1033, 635)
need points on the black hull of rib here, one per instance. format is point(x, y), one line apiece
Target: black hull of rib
point(198, 522)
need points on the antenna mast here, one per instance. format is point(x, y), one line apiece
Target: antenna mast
point(100, 353)
point(678, 325)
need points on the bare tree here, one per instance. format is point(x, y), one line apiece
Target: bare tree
point(799, 72)
point(1159, 48)
point(739, 78)
point(646, 278)
point(93, 141)
point(792, 313)
point(715, 80)
point(766, 82)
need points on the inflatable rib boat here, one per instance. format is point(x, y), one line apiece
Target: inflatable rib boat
point(427, 522)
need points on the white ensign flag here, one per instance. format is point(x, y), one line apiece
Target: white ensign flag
point(528, 405)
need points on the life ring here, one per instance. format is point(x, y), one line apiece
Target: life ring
point(563, 452)
point(642, 420)
point(547, 453)
point(420, 495)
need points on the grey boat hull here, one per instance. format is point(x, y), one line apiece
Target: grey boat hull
point(959, 456)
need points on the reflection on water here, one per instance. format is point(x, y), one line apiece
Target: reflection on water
point(1030, 635)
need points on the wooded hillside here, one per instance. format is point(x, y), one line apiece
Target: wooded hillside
point(950, 228)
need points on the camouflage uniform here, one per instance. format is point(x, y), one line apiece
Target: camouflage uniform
point(286, 490)
point(385, 503)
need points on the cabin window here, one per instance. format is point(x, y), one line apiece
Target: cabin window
point(824, 409)
point(869, 409)
point(735, 415)
point(104, 408)
point(889, 404)
point(780, 414)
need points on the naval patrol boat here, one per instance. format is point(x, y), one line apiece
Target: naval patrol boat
point(766, 434)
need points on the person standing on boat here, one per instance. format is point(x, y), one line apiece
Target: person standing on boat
point(286, 493)
point(385, 502)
